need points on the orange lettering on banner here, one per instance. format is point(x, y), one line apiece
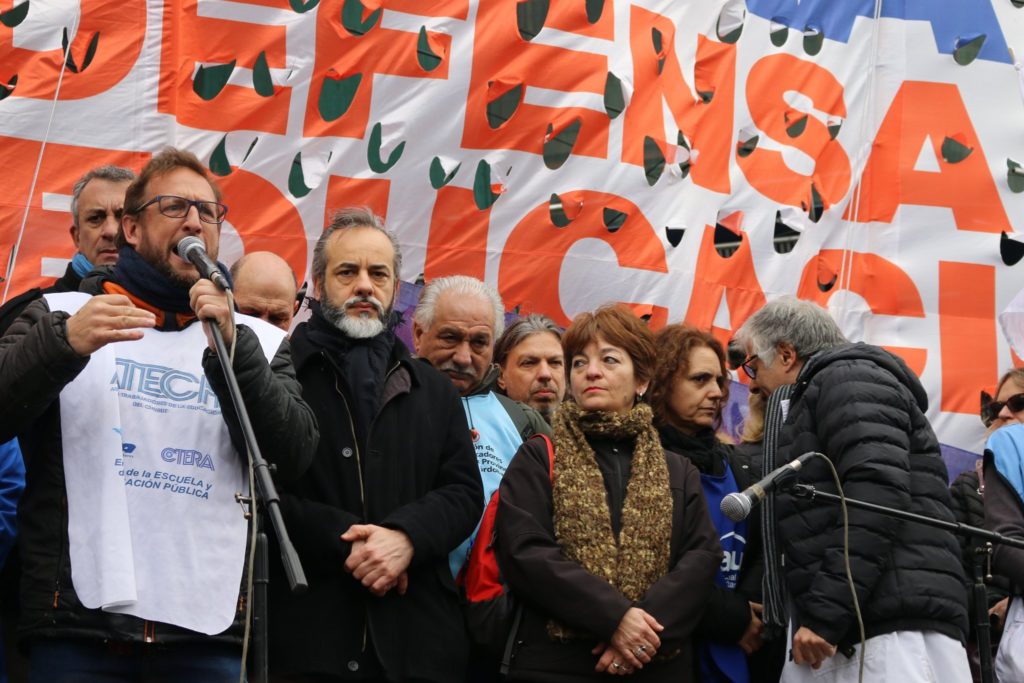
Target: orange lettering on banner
point(929, 113)
point(121, 27)
point(270, 224)
point(457, 243)
point(343, 192)
point(46, 232)
point(503, 60)
point(967, 333)
point(531, 261)
point(733, 277)
point(340, 55)
point(708, 126)
point(770, 82)
point(885, 287)
point(189, 41)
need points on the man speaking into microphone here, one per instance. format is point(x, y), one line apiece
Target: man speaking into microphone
point(864, 409)
point(132, 542)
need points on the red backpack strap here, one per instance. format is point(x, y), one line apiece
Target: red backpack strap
point(480, 577)
point(551, 455)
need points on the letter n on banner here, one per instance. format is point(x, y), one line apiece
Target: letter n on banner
point(716, 276)
point(658, 80)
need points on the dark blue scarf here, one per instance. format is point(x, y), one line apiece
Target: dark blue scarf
point(150, 285)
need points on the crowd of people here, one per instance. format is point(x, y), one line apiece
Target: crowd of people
point(523, 502)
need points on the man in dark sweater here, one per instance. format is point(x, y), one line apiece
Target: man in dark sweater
point(864, 410)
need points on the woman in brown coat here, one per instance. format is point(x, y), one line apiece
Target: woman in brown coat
point(611, 553)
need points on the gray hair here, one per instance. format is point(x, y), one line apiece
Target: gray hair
point(114, 174)
point(460, 285)
point(348, 219)
point(517, 332)
point(804, 324)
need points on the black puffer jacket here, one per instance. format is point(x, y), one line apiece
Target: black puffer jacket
point(864, 409)
point(969, 508)
point(36, 362)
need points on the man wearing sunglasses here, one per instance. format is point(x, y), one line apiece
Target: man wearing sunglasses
point(864, 409)
point(132, 541)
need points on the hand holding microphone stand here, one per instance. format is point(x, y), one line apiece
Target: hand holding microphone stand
point(737, 506)
point(264, 496)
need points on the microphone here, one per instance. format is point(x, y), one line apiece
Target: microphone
point(193, 249)
point(736, 506)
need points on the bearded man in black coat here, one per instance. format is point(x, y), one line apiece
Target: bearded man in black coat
point(865, 410)
point(393, 488)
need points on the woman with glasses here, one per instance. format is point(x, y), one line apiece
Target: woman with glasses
point(691, 385)
point(1008, 406)
point(607, 540)
point(1002, 494)
point(966, 493)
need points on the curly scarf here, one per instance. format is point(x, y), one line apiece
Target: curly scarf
point(582, 519)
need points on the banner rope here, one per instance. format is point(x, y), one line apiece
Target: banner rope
point(13, 258)
point(845, 274)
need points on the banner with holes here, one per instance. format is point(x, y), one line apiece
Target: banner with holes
point(693, 159)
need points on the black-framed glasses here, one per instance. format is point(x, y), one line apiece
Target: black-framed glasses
point(173, 206)
point(748, 366)
point(1015, 403)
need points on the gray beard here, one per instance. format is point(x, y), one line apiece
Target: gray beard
point(354, 327)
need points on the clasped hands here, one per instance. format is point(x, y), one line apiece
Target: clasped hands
point(634, 643)
point(379, 558)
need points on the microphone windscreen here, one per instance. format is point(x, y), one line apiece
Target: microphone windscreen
point(736, 506)
point(187, 244)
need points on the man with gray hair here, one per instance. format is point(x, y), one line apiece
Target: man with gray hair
point(864, 409)
point(531, 363)
point(391, 491)
point(97, 202)
point(454, 328)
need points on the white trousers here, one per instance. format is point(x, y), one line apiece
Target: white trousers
point(899, 657)
point(1010, 658)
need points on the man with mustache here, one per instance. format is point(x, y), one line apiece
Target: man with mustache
point(391, 491)
point(532, 365)
point(132, 540)
point(454, 327)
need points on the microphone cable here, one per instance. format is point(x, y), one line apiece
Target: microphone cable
point(846, 563)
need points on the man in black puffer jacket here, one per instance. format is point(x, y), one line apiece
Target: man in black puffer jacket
point(864, 409)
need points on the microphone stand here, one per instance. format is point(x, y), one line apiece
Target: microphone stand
point(982, 539)
point(263, 498)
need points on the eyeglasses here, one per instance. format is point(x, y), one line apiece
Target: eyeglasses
point(748, 366)
point(991, 411)
point(178, 207)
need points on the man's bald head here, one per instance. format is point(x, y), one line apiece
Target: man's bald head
point(265, 287)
